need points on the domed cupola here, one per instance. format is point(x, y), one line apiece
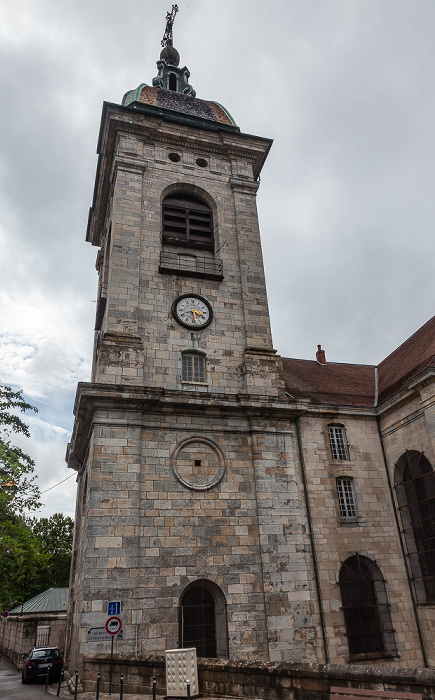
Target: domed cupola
point(171, 90)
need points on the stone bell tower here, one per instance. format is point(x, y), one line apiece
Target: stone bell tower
point(182, 442)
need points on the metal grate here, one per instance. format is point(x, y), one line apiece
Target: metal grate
point(419, 489)
point(198, 625)
point(337, 442)
point(346, 497)
point(42, 639)
point(361, 608)
point(193, 368)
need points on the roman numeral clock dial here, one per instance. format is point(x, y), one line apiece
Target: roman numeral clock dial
point(192, 311)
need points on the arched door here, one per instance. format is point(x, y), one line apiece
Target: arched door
point(202, 621)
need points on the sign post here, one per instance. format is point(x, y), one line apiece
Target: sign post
point(113, 627)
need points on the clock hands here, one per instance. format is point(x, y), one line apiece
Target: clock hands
point(196, 313)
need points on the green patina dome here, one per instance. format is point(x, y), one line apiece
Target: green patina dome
point(177, 102)
point(172, 92)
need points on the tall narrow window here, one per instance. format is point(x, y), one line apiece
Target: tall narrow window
point(415, 488)
point(188, 222)
point(346, 497)
point(192, 367)
point(338, 442)
point(365, 607)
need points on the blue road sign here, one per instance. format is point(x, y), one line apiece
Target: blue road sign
point(114, 607)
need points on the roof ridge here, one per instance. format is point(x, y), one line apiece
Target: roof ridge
point(348, 364)
point(408, 340)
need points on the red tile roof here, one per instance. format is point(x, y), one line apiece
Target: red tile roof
point(333, 383)
point(413, 355)
point(354, 385)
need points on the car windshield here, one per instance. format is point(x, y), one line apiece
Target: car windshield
point(41, 653)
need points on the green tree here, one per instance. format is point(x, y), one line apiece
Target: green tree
point(18, 490)
point(34, 554)
point(55, 537)
point(21, 557)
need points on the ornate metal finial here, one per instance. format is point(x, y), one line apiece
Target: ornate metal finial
point(167, 36)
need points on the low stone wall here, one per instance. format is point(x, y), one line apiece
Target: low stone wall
point(262, 681)
point(18, 633)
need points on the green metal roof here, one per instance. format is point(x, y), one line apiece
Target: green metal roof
point(53, 600)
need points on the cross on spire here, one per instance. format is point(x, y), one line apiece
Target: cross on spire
point(170, 17)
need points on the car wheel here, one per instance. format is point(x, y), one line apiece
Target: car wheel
point(23, 679)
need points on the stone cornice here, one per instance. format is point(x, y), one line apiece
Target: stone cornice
point(117, 120)
point(409, 391)
point(110, 397)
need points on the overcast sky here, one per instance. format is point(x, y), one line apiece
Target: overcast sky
point(346, 90)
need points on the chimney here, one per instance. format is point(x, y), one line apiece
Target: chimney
point(320, 355)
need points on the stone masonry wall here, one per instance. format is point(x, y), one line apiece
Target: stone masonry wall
point(139, 297)
point(373, 533)
point(264, 681)
point(409, 426)
point(153, 524)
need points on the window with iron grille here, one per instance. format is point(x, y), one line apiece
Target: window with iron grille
point(192, 367)
point(365, 607)
point(415, 489)
point(338, 442)
point(187, 222)
point(346, 497)
point(198, 622)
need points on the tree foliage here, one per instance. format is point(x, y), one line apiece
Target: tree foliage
point(55, 535)
point(18, 490)
point(34, 554)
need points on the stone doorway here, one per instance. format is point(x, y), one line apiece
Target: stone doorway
point(202, 620)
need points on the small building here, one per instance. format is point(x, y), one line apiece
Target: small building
point(38, 622)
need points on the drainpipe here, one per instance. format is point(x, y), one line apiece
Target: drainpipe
point(311, 535)
point(402, 547)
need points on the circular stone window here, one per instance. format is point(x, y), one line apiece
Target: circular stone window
point(202, 162)
point(198, 464)
point(175, 157)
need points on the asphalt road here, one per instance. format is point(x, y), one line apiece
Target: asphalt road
point(11, 687)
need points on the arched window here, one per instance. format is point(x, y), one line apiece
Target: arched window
point(365, 608)
point(415, 489)
point(202, 619)
point(338, 442)
point(187, 222)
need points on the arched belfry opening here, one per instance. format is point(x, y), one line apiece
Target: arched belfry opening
point(202, 621)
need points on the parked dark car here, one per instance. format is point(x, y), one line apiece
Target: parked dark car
point(39, 661)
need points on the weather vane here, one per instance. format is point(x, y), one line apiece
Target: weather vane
point(167, 36)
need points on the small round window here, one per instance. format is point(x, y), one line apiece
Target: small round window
point(201, 162)
point(175, 157)
point(198, 464)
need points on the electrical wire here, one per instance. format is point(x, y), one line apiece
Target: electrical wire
point(60, 482)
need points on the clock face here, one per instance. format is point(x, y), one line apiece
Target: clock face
point(192, 311)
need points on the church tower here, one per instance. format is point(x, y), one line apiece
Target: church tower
point(188, 497)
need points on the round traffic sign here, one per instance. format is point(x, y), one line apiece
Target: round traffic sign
point(113, 624)
point(5, 613)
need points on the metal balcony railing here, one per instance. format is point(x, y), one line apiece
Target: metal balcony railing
point(190, 265)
